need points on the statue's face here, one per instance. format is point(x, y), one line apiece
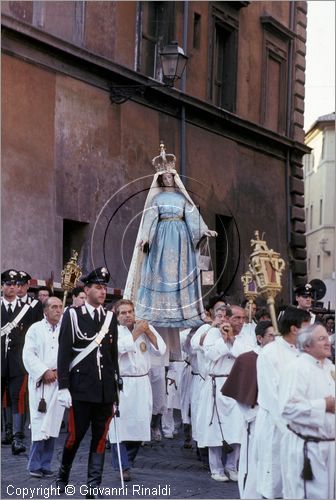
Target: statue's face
point(168, 180)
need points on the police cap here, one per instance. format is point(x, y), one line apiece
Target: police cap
point(304, 290)
point(22, 278)
point(98, 276)
point(9, 277)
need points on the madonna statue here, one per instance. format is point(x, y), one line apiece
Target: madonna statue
point(164, 279)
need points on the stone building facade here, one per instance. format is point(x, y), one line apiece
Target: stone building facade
point(76, 167)
point(320, 205)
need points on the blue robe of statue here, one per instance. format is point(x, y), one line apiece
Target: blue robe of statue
point(170, 294)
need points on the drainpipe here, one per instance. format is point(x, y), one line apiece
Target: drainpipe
point(183, 88)
point(289, 134)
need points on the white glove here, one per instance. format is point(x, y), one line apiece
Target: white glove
point(64, 398)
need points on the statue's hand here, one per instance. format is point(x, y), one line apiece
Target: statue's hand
point(142, 244)
point(211, 233)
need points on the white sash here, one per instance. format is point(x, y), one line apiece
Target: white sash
point(5, 330)
point(95, 343)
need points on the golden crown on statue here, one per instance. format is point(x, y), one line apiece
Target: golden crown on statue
point(164, 162)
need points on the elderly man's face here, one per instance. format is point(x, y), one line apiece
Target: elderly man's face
point(54, 310)
point(320, 347)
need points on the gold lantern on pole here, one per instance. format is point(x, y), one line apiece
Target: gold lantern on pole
point(266, 267)
point(70, 275)
point(250, 290)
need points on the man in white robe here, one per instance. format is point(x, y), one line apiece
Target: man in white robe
point(271, 364)
point(157, 377)
point(220, 416)
point(40, 360)
point(307, 403)
point(242, 386)
point(186, 381)
point(197, 344)
point(171, 418)
point(136, 341)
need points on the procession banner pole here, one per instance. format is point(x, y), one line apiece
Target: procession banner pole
point(64, 299)
point(118, 451)
point(118, 385)
point(250, 290)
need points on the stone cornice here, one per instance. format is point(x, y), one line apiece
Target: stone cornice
point(272, 25)
point(54, 54)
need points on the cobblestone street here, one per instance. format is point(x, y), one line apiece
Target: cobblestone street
point(166, 468)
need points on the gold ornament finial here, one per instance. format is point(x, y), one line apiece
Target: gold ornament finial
point(70, 275)
point(266, 267)
point(250, 290)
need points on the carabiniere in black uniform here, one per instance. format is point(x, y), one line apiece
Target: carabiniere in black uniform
point(13, 374)
point(92, 382)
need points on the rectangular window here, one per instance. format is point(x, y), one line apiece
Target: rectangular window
point(223, 50)
point(224, 67)
point(320, 213)
point(311, 217)
point(273, 93)
point(197, 31)
point(276, 40)
point(157, 30)
point(318, 262)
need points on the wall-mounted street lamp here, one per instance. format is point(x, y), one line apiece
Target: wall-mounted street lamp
point(173, 63)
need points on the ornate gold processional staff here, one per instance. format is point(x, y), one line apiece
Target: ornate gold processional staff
point(266, 268)
point(250, 290)
point(70, 275)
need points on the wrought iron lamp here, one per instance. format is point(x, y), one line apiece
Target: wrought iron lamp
point(173, 63)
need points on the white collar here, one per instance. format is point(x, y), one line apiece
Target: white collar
point(257, 349)
point(51, 327)
point(92, 309)
point(24, 299)
point(6, 303)
point(316, 362)
point(287, 344)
